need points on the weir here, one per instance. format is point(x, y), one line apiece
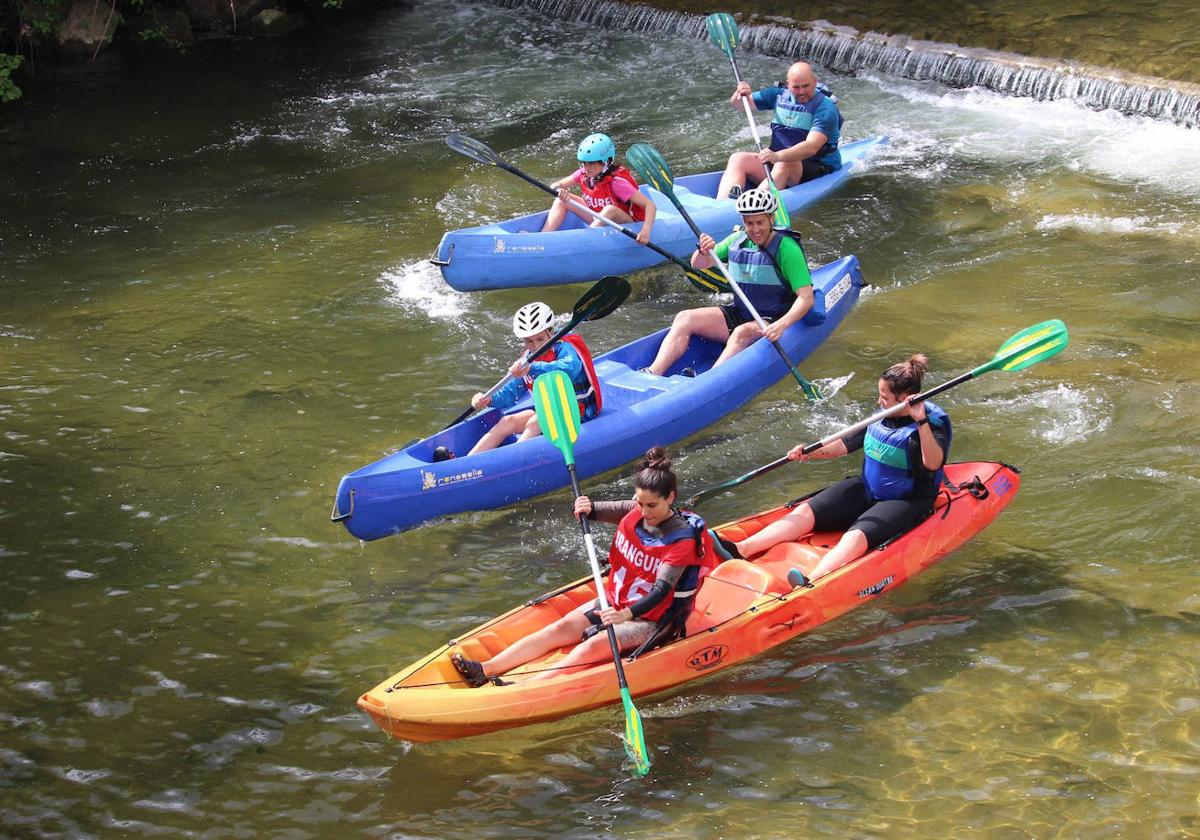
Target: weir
point(847, 50)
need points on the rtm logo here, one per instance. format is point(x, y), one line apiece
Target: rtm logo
point(876, 588)
point(711, 656)
point(1003, 485)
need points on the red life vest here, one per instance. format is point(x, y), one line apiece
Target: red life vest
point(601, 195)
point(588, 368)
point(635, 564)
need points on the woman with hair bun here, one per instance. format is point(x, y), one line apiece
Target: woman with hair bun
point(904, 456)
point(658, 557)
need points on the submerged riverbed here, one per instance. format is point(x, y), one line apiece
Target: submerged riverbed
point(218, 302)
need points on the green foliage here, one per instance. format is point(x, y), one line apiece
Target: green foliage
point(41, 16)
point(8, 90)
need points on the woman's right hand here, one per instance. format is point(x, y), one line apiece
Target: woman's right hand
point(796, 453)
point(480, 401)
point(583, 507)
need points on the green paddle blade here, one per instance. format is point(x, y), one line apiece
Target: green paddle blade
point(602, 299)
point(707, 280)
point(651, 167)
point(557, 410)
point(635, 740)
point(1028, 347)
point(723, 31)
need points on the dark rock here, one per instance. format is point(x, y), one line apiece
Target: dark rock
point(272, 23)
point(88, 26)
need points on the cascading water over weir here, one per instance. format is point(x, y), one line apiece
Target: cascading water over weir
point(846, 50)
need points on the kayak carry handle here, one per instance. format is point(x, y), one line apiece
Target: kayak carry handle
point(449, 255)
point(335, 515)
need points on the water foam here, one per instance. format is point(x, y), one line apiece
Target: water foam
point(417, 287)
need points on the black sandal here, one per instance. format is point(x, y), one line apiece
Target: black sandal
point(470, 670)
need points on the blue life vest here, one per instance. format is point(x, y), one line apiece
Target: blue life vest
point(757, 269)
point(887, 472)
point(793, 120)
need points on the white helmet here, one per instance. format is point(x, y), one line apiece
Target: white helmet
point(752, 202)
point(532, 318)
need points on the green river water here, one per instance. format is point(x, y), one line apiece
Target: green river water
point(216, 302)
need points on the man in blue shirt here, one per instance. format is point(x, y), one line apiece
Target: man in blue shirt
point(805, 130)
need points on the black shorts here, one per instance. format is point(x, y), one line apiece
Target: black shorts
point(814, 169)
point(846, 506)
point(734, 317)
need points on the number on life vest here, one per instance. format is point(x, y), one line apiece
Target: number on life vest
point(637, 590)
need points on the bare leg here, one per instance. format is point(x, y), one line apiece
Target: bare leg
point(615, 214)
point(742, 337)
point(744, 169)
point(787, 174)
point(566, 631)
point(630, 634)
point(531, 430)
point(558, 213)
point(851, 546)
point(793, 526)
point(510, 424)
point(708, 322)
point(554, 219)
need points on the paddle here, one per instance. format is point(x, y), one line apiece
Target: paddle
point(605, 295)
point(654, 170)
point(723, 31)
point(706, 281)
point(1025, 349)
point(558, 414)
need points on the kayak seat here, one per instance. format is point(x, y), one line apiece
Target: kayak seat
point(729, 590)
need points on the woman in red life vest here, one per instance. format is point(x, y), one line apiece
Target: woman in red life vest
point(608, 189)
point(659, 554)
point(533, 324)
point(902, 472)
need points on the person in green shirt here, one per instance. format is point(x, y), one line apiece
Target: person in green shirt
point(770, 267)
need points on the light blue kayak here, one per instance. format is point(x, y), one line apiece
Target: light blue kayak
point(516, 253)
point(640, 410)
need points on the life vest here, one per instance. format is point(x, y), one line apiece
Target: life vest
point(887, 472)
point(757, 271)
point(601, 195)
point(793, 120)
point(590, 399)
point(635, 557)
point(815, 316)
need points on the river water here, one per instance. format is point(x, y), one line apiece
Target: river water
point(216, 303)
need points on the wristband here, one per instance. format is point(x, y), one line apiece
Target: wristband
point(924, 421)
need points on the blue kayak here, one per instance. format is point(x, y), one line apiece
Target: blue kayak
point(640, 410)
point(516, 253)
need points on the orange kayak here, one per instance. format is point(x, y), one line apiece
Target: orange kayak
point(742, 609)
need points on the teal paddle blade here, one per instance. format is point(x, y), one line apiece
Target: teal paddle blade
point(723, 31)
point(1028, 347)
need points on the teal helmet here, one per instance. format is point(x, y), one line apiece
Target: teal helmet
point(597, 147)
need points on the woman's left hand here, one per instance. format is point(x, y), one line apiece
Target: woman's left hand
point(610, 616)
point(917, 411)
